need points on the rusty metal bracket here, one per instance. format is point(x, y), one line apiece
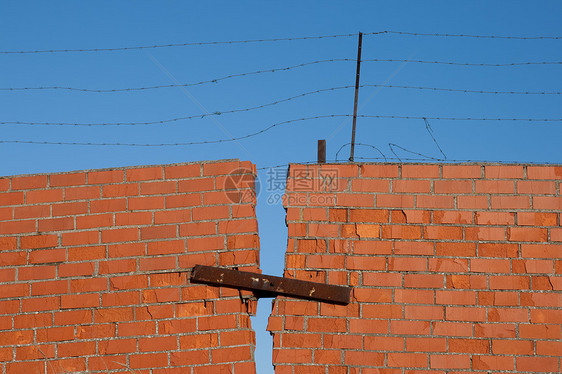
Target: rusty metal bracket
point(269, 286)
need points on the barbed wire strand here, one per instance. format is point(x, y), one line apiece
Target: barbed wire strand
point(214, 80)
point(392, 145)
point(461, 90)
point(175, 144)
point(460, 160)
point(359, 144)
point(468, 35)
point(430, 132)
point(275, 70)
point(269, 40)
point(463, 63)
point(158, 122)
point(189, 44)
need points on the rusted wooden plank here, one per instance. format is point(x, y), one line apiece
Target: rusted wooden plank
point(269, 285)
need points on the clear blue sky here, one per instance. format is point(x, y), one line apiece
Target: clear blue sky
point(39, 25)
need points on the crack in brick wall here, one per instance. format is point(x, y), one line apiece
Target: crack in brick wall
point(92, 270)
point(455, 268)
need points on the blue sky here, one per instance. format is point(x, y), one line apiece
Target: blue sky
point(38, 25)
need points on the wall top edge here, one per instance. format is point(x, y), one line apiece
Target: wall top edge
point(125, 168)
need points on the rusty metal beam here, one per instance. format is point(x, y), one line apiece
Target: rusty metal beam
point(268, 285)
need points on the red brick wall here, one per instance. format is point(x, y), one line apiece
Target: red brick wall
point(455, 268)
point(89, 270)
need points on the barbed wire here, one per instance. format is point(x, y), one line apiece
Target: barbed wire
point(260, 131)
point(468, 35)
point(460, 160)
point(159, 122)
point(461, 90)
point(189, 44)
point(214, 80)
point(175, 144)
point(359, 144)
point(269, 40)
point(464, 63)
point(275, 70)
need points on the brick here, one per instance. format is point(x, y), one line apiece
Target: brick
point(79, 301)
point(485, 233)
point(86, 253)
point(76, 269)
point(424, 312)
point(455, 297)
point(510, 202)
point(423, 280)
point(172, 216)
point(483, 362)
point(494, 187)
point(196, 185)
point(72, 317)
point(55, 224)
point(182, 171)
point(395, 201)
point(420, 171)
point(106, 176)
point(146, 203)
point(541, 250)
point(17, 227)
point(452, 186)
point(368, 215)
point(379, 171)
point(472, 202)
point(413, 248)
point(435, 202)
point(116, 346)
point(370, 185)
point(47, 256)
point(411, 186)
point(93, 221)
point(527, 234)
point(539, 331)
point(443, 232)
point(469, 346)
point(143, 174)
point(80, 238)
point(480, 265)
point(407, 264)
point(407, 360)
point(538, 364)
point(549, 348)
point(42, 196)
point(536, 187)
point(458, 249)
point(82, 193)
point(504, 171)
point(69, 209)
point(120, 190)
point(449, 361)
point(547, 203)
point(544, 172)
point(33, 211)
point(495, 218)
point(29, 182)
point(409, 327)
point(537, 219)
point(494, 330)
point(509, 282)
point(133, 218)
point(498, 250)
point(12, 198)
point(355, 200)
point(108, 205)
point(401, 232)
point(465, 314)
point(364, 358)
